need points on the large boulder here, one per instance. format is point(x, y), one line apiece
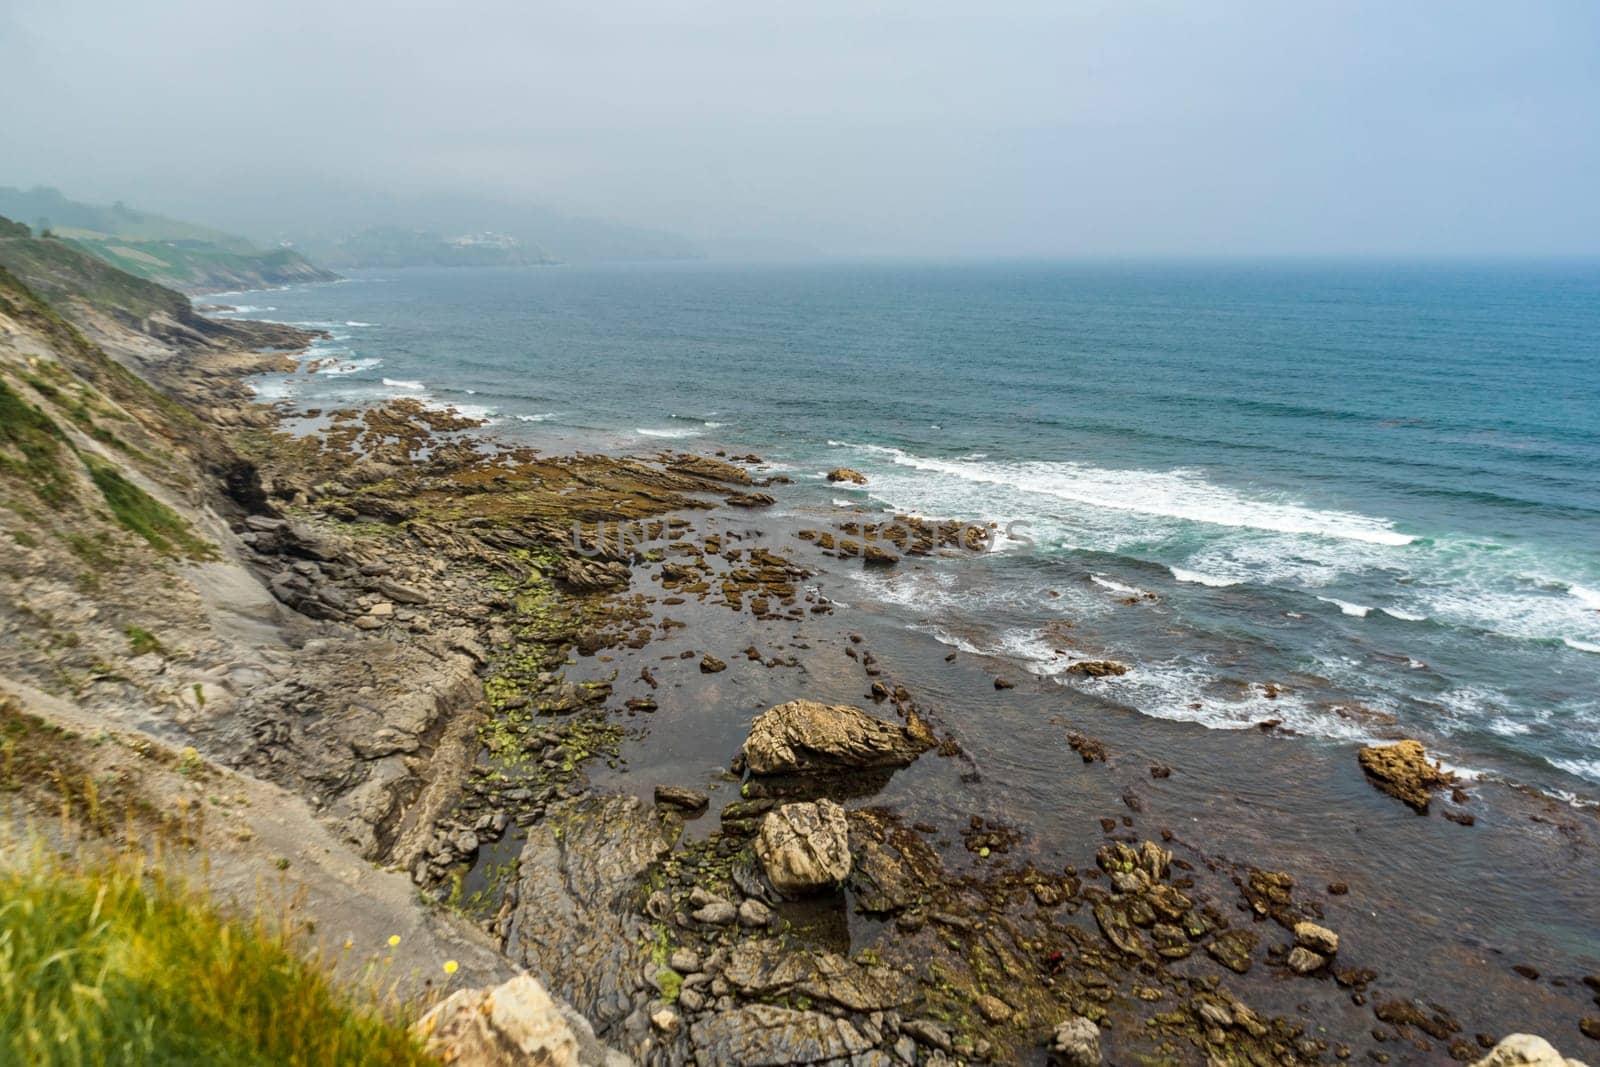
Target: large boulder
point(804, 847)
point(845, 474)
point(1402, 770)
point(510, 1025)
point(807, 737)
point(1525, 1050)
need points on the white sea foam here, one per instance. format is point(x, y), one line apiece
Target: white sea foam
point(1403, 616)
point(466, 411)
point(1580, 646)
point(1358, 611)
point(349, 366)
point(353, 322)
point(1587, 597)
point(1116, 586)
point(1197, 578)
point(672, 435)
point(544, 416)
point(404, 383)
point(1180, 494)
point(713, 425)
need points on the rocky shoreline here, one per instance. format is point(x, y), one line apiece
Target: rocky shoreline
point(605, 717)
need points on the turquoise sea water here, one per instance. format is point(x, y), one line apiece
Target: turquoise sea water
point(1376, 486)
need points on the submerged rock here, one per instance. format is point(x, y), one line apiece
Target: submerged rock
point(806, 737)
point(686, 800)
point(1525, 1050)
point(1402, 770)
point(804, 847)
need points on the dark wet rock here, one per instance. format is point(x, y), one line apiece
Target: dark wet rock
point(573, 924)
point(688, 800)
point(762, 969)
point(893, 869)
point(1436, 1023)
point(751, 500)
point(1004, 683)
point(1402, 770)
point(1076, 1043)
point(710, 664)
point(1091, 750)
point(804, 847)
point(845, 474)
point(1270, 893)
point(874, 555)
point(1097, 668)
point(1118, 927)
point(766, 1035)
point(805, 737)
point(1232, 949)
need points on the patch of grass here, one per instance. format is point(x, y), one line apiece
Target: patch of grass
point(93, 550)
point(141, 641)
point(115, 963)
point(39, 441)
point(163, 528)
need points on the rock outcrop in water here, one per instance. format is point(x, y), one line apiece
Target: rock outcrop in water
point(1402, 770)
point(806, 737)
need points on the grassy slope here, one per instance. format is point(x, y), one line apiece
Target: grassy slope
point(110, 963)
point(169, 251)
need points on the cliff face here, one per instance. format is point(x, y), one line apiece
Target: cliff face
point(132, 624)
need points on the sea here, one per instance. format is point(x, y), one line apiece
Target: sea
point(1351, 500)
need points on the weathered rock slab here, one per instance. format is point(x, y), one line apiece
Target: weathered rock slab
point(807, 737)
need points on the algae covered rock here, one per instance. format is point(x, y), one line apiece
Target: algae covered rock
point(807, 737)
point(1402, 770)
point(804, 847)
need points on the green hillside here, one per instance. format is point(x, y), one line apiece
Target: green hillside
point(181, 255)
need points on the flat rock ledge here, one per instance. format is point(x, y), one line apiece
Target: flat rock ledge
point(807, 737)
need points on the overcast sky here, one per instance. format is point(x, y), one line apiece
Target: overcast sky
point(920, 127)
